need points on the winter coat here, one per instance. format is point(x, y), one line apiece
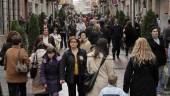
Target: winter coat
point(37, 85)
point(49, 74)
point(10, 60)
point(159, 51)
point(89, 31)
point(102, 78)
point(141, 80)
point(68, 63)
point(57, 40)
point(130, 36)
point(116, 31)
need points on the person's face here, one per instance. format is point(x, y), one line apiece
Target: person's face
point(50, 55)
point(73, 43)
point(155, 33)
point(45, 32)
point(83, 36)
point(55, 31)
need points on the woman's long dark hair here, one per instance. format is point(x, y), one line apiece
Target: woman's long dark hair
point(101, 46)
point(51, 50)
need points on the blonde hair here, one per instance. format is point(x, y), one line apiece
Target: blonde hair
point(97, 28)
point(142, 52)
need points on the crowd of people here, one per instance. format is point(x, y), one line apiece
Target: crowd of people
point(86, 41)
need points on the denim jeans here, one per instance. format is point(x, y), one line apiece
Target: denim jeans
point(17, 89)
point(161, 82)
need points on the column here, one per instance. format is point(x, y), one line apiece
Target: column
point(16, 15)
point(10, 10)
point(5, 9)
point(153, 5)
point(33, 6)
point(149, 5)
point(44, 7)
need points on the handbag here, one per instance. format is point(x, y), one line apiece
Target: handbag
point(20, 66)
point(34, 67)
point(90, 79)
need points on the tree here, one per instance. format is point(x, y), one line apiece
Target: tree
point(121, 17)
point(41, 18)
point(148, 22)
point(15, 26)
point(33, 30)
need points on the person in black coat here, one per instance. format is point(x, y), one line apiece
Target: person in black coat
point(141, 75)
point(159, 48)
point(89, 31)
point(73, 67)
point(49, 72)
point(130, 36)
point(116, 36)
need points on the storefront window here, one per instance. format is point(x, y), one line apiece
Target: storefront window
point(1, 18)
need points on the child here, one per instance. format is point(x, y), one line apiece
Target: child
point(111, 89)
point(49, 72)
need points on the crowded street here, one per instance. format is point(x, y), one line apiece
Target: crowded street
point(119, 67)
point(84, 48)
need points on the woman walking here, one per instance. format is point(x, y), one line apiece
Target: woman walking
point(141, 75)
point(93, 62)
point(49, 72)
point(73, 67)
point(16, 81)
point(38, 88)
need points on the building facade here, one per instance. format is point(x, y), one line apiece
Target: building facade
point(39, 6)
point(15, 9)
point(160, 7)
point(10, 10)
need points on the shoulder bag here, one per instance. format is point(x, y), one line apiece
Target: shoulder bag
point(20, 66)
point(34, 67)
point(90, 79)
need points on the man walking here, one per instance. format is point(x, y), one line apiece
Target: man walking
point(116, 36)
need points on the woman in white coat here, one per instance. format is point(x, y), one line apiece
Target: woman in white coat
point(57, 38)
point(38, 88)
point(93, 62)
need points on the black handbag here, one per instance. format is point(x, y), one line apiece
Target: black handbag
point(34, 67)
point(90, 79)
